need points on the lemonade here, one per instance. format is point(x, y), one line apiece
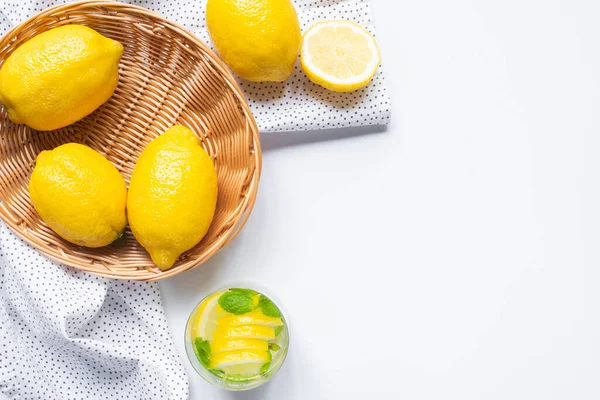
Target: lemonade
point(237, 338)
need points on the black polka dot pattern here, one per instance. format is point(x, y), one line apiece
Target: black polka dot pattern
point(297, 104)
point(66, 334)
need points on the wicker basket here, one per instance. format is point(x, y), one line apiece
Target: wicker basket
point(167, 76)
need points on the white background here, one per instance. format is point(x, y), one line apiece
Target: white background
point(455, 254)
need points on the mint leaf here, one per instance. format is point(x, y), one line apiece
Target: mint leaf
point(268, 307)
point(203, 351)
point(236, 303)
point(274, 347)
point(278, 330)
point(265, 368)
point(248, 292)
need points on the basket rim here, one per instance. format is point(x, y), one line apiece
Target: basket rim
point(247, 202)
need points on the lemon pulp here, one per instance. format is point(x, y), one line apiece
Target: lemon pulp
point(339, 55)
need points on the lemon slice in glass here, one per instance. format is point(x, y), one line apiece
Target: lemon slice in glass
point(251, 318)
point(245, 363)
point(221, 345)
point(245, 331)
point(208, 314)
point(339, 55)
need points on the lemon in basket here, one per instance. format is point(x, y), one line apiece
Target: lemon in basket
point(79, 194)
point(258, 39)
point(172, 195)
point(339, 55)
point(59, 76)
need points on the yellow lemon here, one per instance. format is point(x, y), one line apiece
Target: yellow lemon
point(258, 39)
point(59, 76)
point(172, 195)
point(339, 55)
point(79, 194)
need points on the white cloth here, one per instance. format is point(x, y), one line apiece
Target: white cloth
point(66, 334)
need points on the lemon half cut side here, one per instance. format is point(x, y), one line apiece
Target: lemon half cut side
point(339, 55)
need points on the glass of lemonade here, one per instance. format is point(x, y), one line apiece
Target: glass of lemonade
point(236, 338)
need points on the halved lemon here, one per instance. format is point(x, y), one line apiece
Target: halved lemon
point(339, 55)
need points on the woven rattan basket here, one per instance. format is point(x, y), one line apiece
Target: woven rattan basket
point(167, 76)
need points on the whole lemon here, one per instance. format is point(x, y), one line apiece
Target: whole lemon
point(258, 39)
point(79, 194)
point(172, 195)
point(59, 76)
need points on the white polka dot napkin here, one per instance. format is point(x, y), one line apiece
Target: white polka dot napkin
point(66, 334)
